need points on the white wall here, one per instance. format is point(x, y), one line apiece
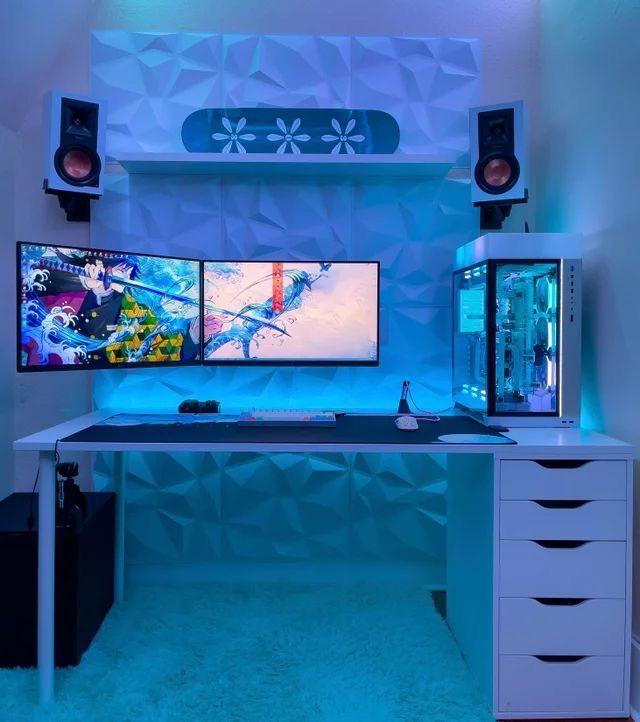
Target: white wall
point(28, 402)
point(41, 399)
point(34, 35)
point(7, 283)
point(44, 399)
point(589, 156)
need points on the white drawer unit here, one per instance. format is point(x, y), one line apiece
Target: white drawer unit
point(550, 523)
point(563, 479)
point(593, 569)
point(560, 626)
point(549, 686)
point(564, 520)
point(562, 555)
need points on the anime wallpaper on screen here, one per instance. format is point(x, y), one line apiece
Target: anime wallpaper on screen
point(291, 312)
point(87, 308)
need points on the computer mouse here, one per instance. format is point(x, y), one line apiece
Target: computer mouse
point(406, 423)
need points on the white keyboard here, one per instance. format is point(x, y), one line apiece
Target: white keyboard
point(286, 417)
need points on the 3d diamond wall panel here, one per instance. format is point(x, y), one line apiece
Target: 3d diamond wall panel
point(173, 505)
point(286, 71)
point(427, 84)
point(286, 506)
point(167, 215)
point(291, 506)
point(397, 506)
point(153, 81)
point(301, 218)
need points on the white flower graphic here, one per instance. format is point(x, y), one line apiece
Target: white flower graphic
point(234, 136)
point(288, 136)
point(343, 137)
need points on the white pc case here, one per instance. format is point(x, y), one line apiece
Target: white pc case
point(517, 328)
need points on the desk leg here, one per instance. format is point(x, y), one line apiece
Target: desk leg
point(46, 572)
point(118, 483)
point(470, 561)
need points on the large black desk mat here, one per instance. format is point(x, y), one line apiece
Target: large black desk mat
point(349, 429)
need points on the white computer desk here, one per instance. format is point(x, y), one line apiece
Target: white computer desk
point(538, 557)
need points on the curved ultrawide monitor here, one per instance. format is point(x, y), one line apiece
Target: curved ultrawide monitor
point(291, 313)
point(85, 308)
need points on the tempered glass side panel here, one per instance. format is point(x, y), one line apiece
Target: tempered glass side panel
point(470, 338)
point(526, 337)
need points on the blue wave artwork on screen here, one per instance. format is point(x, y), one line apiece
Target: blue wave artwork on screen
point(88, 308)
point(289, 312)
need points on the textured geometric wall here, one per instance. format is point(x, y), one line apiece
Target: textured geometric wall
point(154, 80)
point(291, 506)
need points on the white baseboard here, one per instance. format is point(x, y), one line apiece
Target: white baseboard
point(291, 573)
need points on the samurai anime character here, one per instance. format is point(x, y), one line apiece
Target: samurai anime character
point(91, 318)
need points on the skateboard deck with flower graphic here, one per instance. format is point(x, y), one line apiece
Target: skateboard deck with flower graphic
point(290, 130)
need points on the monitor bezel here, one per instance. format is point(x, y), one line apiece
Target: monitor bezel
point(98, 366)
point(292, 363)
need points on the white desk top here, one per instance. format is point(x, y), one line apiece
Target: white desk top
point(543, 442)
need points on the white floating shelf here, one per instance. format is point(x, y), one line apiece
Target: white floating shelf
point(371, 165)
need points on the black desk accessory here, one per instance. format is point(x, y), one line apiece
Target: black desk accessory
point(84, 584)
point(71, 507)
point(193, 406)
point(403, 404)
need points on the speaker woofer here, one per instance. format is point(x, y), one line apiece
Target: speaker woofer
point(77, 165)
point(497, 173)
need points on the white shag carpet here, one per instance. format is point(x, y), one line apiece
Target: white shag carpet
point(267, 653)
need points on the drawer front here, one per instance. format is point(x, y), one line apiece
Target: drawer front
point(592, 520)
point(591, 480)
point(589, 627)
point(595, 569)
point(587, 686)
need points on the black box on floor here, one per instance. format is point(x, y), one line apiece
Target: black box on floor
point(84, 580)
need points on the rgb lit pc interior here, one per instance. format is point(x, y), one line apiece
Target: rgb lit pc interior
point(506, 343)
point(291, 313)
point(90, 309)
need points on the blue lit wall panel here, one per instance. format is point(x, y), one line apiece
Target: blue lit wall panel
point(152, 82)
point(427, 84)
point(166, 215)
point(291, 506)
point(300, 218)
point(414, 227)
point(287, 71)
point(286, 506)
point(397, 506)
point(173, 505)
